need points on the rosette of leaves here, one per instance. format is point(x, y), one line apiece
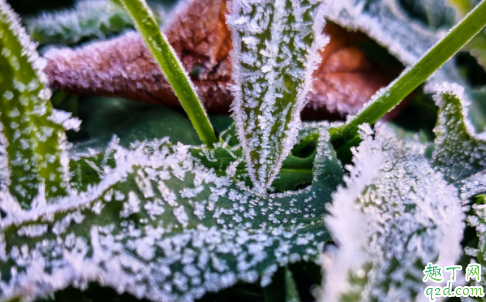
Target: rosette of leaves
point(169, 222)
point(157, 220)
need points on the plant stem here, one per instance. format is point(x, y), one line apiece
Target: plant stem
point(171, 68)
point(415, 75)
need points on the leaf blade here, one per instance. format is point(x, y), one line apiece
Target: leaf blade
point(274, 55)
point(34, 139)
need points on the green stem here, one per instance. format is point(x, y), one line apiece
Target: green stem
point(171, 67)
point(413, 77)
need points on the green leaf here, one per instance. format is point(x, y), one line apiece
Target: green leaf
point(282, 288)
point(460, 146)
point(291, 293)
point(161, 226)
point(436, 15)
point(275, 52)
point(32, 136)
point(87, 20)
point(477, 220)
point(171, 67)
point(130, 122)
point(297, 169)
point(396, 91)
point(88, 170)
point(395, 215)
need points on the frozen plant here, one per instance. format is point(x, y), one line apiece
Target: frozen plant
point(166, 221)
point(276, 45)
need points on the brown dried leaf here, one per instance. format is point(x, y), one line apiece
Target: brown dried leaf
point(124, 67)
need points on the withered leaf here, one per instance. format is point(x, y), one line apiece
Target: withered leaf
point(124, 67)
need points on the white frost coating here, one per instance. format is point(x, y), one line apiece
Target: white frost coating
point(88, 18)
point(28, 47)
point(65, 119)
point(395, 209)
point(472, 186)
point(169, 245)
point(457, 91)
point(273, 64)
point(26, 107)
point(460, 150)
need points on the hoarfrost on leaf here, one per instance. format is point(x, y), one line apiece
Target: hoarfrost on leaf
point(460, 147)
point(394, 216)
point(32, 140)
point(275, 51)
point(88, 19)
point(194, 232)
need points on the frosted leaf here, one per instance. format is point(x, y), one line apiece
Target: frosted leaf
point(460, 147)
point(88, 19)
point(196, 231)
point(32, 140)
point(472, 185)
point(394, 216)
point(273, 62)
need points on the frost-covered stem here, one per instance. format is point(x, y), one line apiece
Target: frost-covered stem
point(276, 46)
point(415, 75)
point(171, 67)
point(33, 140)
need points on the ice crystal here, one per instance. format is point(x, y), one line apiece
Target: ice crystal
point(275, 52)
point(395, 215)
point(162, 226)
point(31, 137)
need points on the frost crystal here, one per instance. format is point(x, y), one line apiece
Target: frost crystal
point(32, 141)
point(276, 46)
point(394, 216)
